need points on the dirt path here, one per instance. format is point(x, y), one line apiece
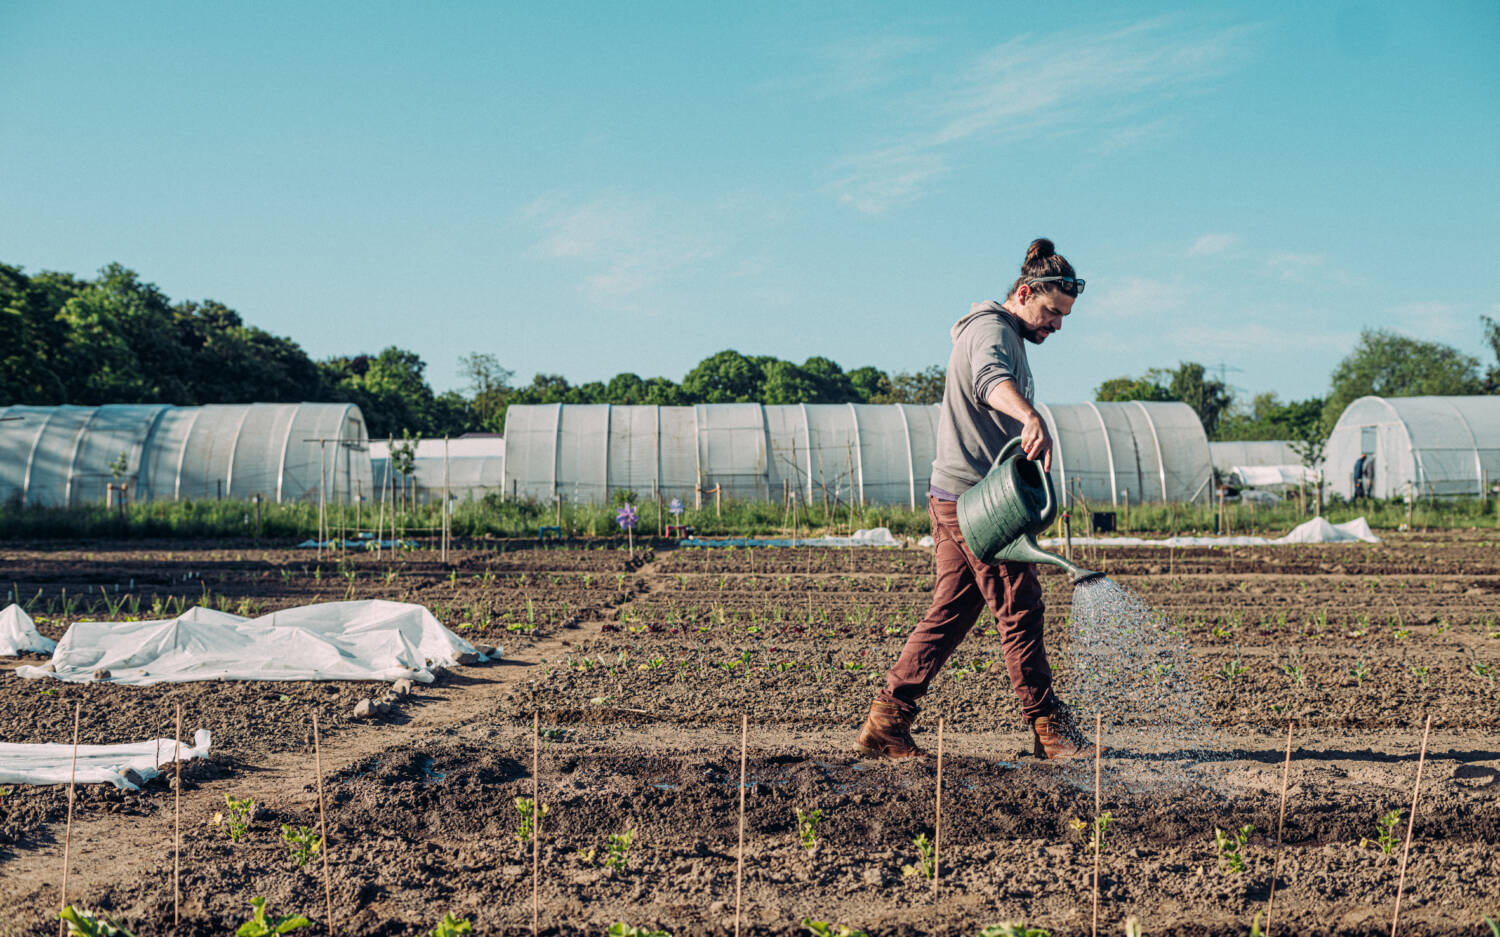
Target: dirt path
point(104, 850)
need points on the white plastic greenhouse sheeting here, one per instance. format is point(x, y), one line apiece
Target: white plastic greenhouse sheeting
point(366, 640)
point(864, 453)
point(18, 633)
point(1227, 456)
point(1317, 530)
point(1156, 451)
point(127, 765)
point(1272, 476)
point(1422, 445)
point(475, 467)
point(61, 456)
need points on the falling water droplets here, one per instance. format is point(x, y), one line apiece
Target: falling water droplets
point(1130, 663)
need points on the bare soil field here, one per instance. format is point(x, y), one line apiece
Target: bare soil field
point(640, 669)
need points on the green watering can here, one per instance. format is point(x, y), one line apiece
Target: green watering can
point(1001, 516)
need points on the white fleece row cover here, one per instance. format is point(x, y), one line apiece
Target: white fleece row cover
point(1317, 530)
point(126, 766)
point(18, 633)
point(366, 640)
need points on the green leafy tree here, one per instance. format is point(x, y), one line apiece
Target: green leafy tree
point(489, 385)
point(1386, 364)
point(1131, 388)
point(725, 377)
point(869, 383)
point(1209, 398)
point(1269, 418)
point(1492, 338)
point(917, 387)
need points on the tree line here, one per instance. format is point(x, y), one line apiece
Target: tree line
point(118, 339)
point(1382, 363)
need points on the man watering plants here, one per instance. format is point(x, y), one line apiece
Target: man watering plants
point(987, 401)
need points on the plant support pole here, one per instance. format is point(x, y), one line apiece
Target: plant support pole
point(739, 872)
point(536, 824)
point(322, 822)
point(937, 818)
point(1411, 822)
point(1098, 833)
point(1280, 823)
point(177, 825)
point(62, 903)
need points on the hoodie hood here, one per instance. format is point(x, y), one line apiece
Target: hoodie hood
point(990, 307)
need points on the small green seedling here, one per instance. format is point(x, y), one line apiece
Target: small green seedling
point(1132, 926)
point(451, 926)
point(925, 865)
point(824, 929)
point(1494, 923)
point(619, 929)
point(240, 814)
point(303, 843)
point(807, 828)
point(617, 849)
point(527, 808)
point(85, 923)
point(262, 926)
point(1231, 670)
point(1294, 672)
point(1421, 673)
point(1101, 823)
point(1359, 671)
point(1229, 845)
point(1386, 838)
point(1014, 929)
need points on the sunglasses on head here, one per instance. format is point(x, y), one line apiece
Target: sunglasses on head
point(1075, 283)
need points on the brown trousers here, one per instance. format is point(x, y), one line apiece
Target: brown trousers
point(963, 586)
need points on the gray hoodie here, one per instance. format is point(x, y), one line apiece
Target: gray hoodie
point(987, 349)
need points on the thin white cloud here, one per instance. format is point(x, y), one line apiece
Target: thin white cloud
point(622, 246)
point(1210, 244)
point(1113, 83)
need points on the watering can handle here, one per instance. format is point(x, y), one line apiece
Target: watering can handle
point(1049, 509)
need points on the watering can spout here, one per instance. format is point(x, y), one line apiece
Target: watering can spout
point(1001, 516)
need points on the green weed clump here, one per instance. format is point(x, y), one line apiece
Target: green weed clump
point(619, 929)
point(617, 849)
point(237, 823)
point(824, 929)
point(1230, 846)
point(303, 843)
point(1014, 929)
point(451, 926)
point(807, 828)
point(262, 925)
point(84, 923)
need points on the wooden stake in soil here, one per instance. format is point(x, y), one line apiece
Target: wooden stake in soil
point(536, 824)
point(1098, 833)
point(322, 822)
point(1410, 822)
point(1280, 822)
point(62, 903)
point(177, 824)
point(937, 820)
point(739, 872)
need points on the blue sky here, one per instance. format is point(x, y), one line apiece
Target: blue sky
point(590, 188)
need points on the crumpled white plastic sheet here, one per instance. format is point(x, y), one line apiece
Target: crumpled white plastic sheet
point(127, 765)
point(366, 640)
point(18, 633)
point(1317, 530)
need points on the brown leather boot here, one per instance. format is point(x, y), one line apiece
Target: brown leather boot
point(1058, 736)
point(887, 734)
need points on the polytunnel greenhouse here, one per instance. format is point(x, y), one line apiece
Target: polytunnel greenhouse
point(861, 453)
point(66, 456)
point(469, 467)
point(1425, 446)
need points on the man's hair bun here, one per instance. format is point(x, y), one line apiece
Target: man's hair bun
point(1040, 249)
